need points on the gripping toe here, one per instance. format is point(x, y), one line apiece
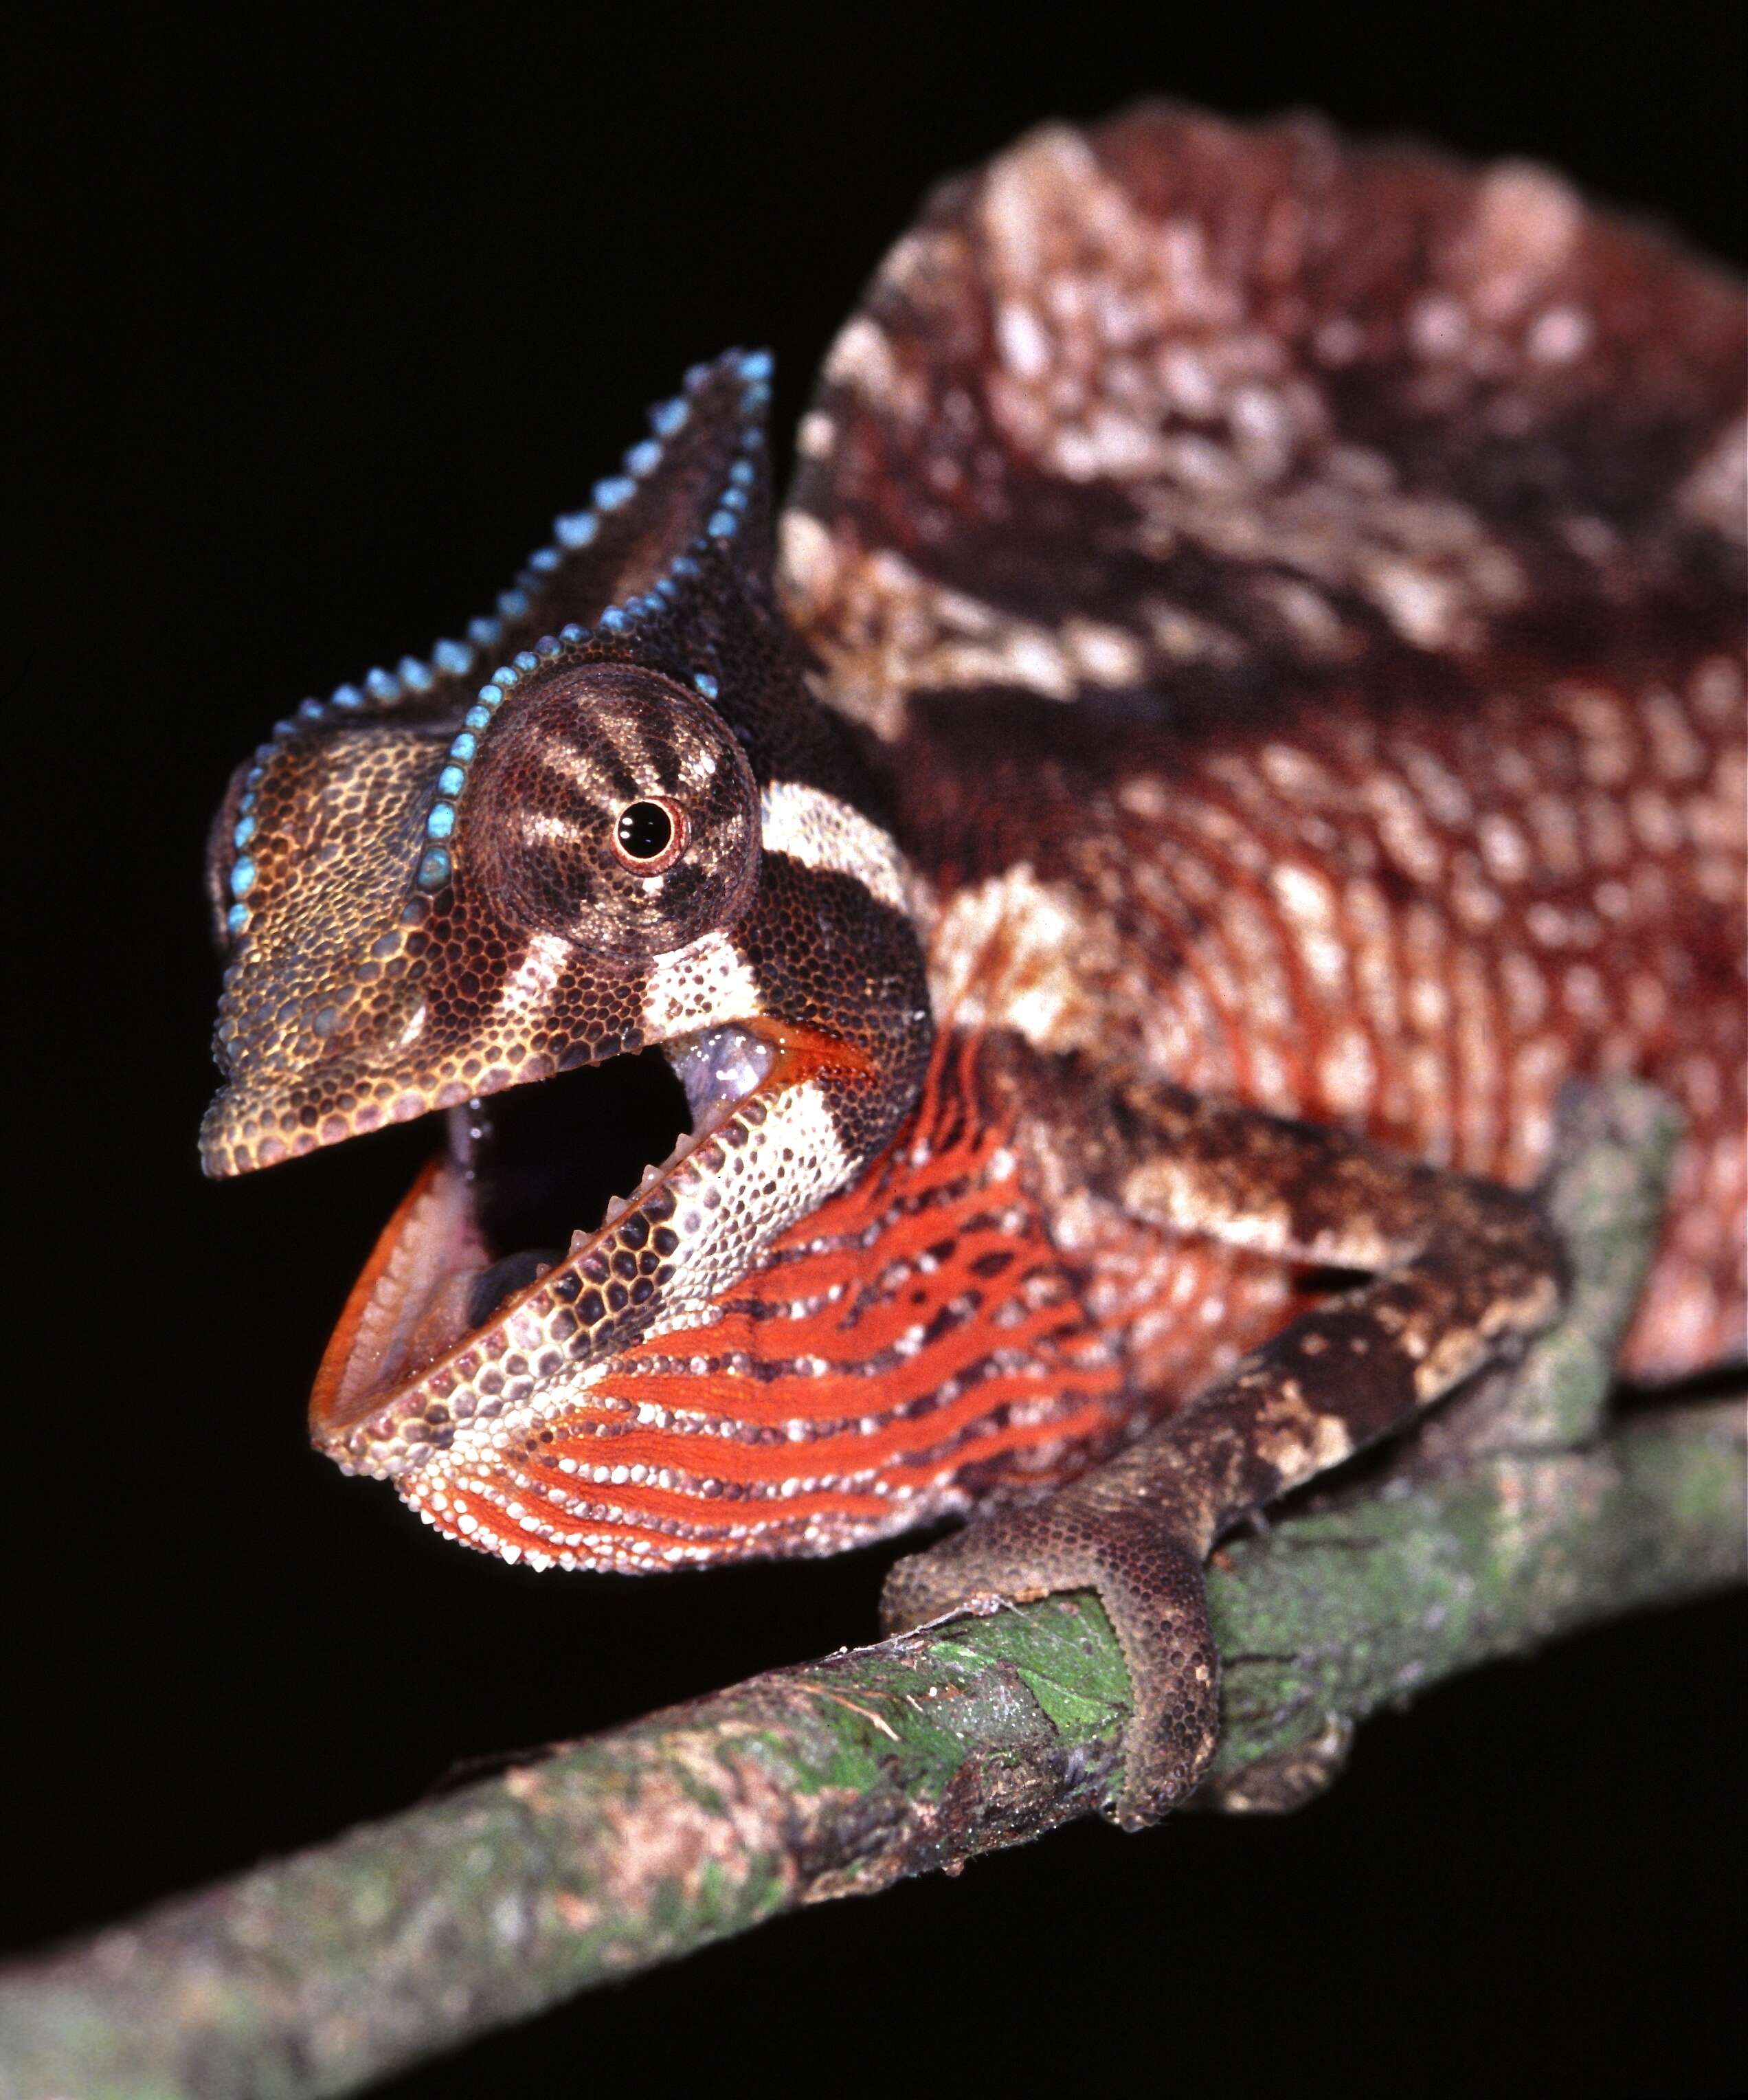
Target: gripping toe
point(1150, 1584)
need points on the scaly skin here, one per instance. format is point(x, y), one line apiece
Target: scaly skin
point(1296, 594)
point(1251, 705)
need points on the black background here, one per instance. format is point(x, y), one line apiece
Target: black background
point(321, 331)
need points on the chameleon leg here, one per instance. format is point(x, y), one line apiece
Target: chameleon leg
point(1468, 1272)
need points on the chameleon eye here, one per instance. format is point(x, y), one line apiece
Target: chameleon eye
point(650, 835)
point(613, 808)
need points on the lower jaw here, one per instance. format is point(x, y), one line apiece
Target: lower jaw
point(438, 1280)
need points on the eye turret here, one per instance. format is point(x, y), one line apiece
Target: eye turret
point(615, 808)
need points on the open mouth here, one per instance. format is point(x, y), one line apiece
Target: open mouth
point(525, 1182)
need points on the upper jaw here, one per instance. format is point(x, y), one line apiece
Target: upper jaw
point(349, 1054)
point(251, 1125)
point(405, 1369)
point(297, 1092)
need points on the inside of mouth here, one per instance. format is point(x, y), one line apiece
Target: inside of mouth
point(544, 1160)
point(522, 1177)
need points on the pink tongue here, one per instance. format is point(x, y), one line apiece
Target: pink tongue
point(410, 1305)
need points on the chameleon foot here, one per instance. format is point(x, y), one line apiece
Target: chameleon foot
point(1149, 1582)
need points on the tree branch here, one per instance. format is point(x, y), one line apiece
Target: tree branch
point(406, 1937)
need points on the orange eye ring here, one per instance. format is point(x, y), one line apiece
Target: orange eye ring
point(649, 835)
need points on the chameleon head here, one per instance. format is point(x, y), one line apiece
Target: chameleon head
point(612, 820)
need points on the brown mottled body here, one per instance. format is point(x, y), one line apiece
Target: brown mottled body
point(1281, 605)
point(1415, 928)
point(1294, 594)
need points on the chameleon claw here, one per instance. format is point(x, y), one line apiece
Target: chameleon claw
point(1150, 1585)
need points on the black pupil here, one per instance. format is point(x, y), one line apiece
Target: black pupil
point(646, 831)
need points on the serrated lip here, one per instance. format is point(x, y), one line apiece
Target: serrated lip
point(425, 1247)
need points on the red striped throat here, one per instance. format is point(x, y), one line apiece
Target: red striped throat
point(882, 1362)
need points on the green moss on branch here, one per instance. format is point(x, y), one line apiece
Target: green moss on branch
point(402, 1939)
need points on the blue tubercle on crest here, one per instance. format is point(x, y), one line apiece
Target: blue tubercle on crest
point(413, 679)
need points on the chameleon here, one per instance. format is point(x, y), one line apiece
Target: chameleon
point(1100, 893)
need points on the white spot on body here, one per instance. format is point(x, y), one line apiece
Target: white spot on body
point(862, 359)
point(1104, 655)
point(1715, 494)
point(808, 560)
point(1407, 837)
point(1308, 905)
point(1437, 326)
point(1012, 952)
point(1554, 821)
point(1716, 686)
point(1558, 335)
point(1675, 751)
point(529, 987)
point(1503, 848)
point(708, 980)
point(1521, 232)
point(1347, 1074)
point(820, 831)
point(1656, 821)
point(1025, 348)
point(815, 435)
